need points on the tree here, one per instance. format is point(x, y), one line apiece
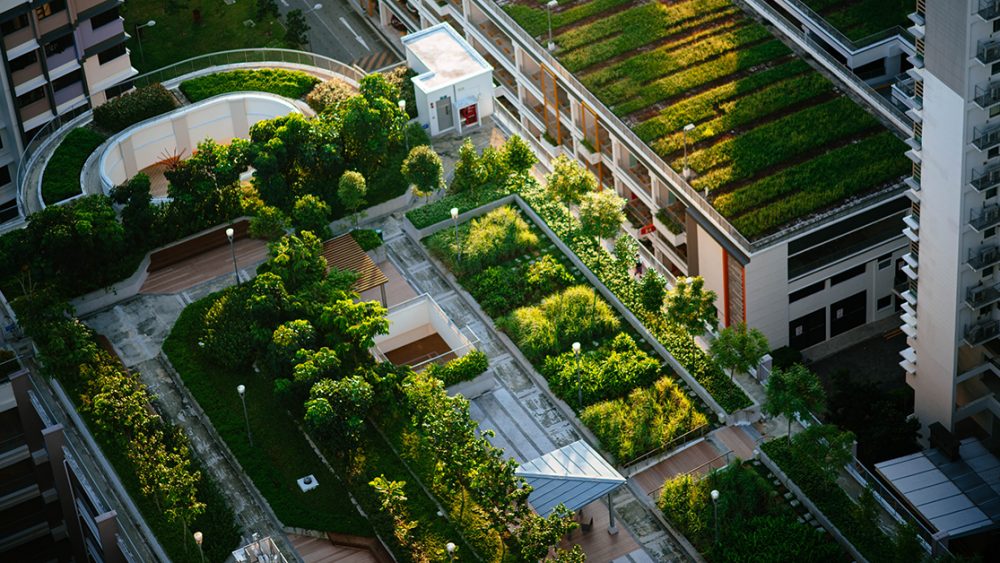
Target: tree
point(519, 156)
point(337, 409)
point(268, 223)
point(138, 215)
point(204, 190)
point(652, 291)
point(351, 190)
point(296, 29)
point(568, 180)
point(297, 260)
point(392, 497)
point(469, 173)
point(537, 534)
point(312, 214)
point(422, 169)
point(626, 252)
point(738, 348)
point(793, 390)
point(369, 129)
point(267, 8)
point(691, 306)
point(601, 214)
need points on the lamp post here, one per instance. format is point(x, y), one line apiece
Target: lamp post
point(454, 219)
point(242, 390)
point(406, 133)
point(316, 7)
point(550, 5)
point(450, 548)
point(138, 37)
point(715, 509)
point(579, 387)
point(687, 129)
point(232, 248)
point(198, 537)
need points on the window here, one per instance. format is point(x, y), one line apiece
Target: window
point(806, 291)
point(989, 232)
point(884, 261)
point(883, 302)
point(8, 210)
point(995, 111)
point(847, 274)
point(68, 80)
point(996, 67)
point(14, 24)
point(996, 26)
point(23, 62)
point(4, 175)
point(111, 54)
point(31, 97)
point(59, 45)
point(990, 193)
point(993, 153)
point(104, 19)
point(987, 271)
point(49, 8)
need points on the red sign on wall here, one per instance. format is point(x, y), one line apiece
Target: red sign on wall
point(470, 115)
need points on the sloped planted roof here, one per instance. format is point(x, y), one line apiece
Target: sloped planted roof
point(956, 497)
point(344, 253)
point(574, 475)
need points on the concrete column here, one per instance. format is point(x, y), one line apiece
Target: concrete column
point(107, 528)
point(20, 383)
point(55, 439)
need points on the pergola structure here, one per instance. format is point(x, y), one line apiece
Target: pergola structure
point(574, 476)
point(344, 253)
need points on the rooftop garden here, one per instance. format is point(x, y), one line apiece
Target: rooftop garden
point(774, 141)
point(858, 19)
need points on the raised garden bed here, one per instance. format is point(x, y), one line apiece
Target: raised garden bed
point(288, 83)
point(61, 179)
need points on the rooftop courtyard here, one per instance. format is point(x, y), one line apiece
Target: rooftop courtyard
point(773, 140)
point(858, 19)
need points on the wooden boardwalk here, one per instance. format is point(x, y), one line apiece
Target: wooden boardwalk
point(702, 456)
point(318, 550)
point(597, 543)
point(205, 266)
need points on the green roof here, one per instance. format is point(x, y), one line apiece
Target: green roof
point(858, 19)
point(774, 141)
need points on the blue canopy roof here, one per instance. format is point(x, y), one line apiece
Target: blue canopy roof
point(574, 475)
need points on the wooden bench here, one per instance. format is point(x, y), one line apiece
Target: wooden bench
point(195, 245)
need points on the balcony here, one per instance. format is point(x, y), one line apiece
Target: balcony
point(986, 256)
point(26, 75)
point(68, 95)
point(982, 295)
point(16, 39)
point(35, 109)
point(988, 216)
point(53, 22)
point(912, 220)
point(988, 178)
point(988, 95)
point(986, 138)
point(988, 9)
point(64, 57)
point(988, 52)
point(640, 218)
point(904, 92)
point(982, 332)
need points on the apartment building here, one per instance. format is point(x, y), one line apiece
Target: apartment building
point(951, 317)
point(803, 278)
point(49, 510)
point(58, 57)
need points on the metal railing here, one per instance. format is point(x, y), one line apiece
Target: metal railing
point(852, 45)
point(981, 332)
point(985, 256)
point(988, 51)
point(987, 217)
point(982, 295)
point(244, 56)
point(986, 138)
point(688, 436)
point(988, 178)
point(988, 9)
point(986, 96)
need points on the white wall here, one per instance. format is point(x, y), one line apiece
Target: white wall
point(710, 268)
point(419, 318)
point(767, 294)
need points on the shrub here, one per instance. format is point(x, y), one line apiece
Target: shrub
point(132, 107)
point(648, 418)
point(327, 95)
point(606, 373)
point(460, 369)
point(400, 78)
point(310, 213)
point(269, 223)
point(61, 179)
point(575, 314)
point(498, 289)
point(547, 275)
point(288, 83)
point(367, 239)
point(499, 235)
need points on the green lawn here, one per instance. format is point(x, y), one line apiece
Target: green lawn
point(61, 179)
point(280, 453)
point(860, 18)
point(175, 37)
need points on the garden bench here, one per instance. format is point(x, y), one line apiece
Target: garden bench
point(194, 246)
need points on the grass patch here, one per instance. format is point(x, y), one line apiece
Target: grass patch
point(176, 37)
point(858, 20)
point(280, 453)
point(61, 179)
point(288, 83)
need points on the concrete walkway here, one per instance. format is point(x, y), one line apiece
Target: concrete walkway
point(508, 400)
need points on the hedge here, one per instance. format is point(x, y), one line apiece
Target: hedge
point(61, 178)
point(132, 107)
point(288, 83)
point(460, 369)
point(440, 210)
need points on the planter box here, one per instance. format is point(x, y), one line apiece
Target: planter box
point(586, 154)
point(674, 239)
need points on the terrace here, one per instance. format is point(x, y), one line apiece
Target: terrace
point(863, 19)
point(774, 142)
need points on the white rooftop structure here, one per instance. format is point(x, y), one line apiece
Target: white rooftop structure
point(451, 75)
point(574, 476)
point(957, 497)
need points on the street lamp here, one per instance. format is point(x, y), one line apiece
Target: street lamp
point(454, 219)
point(242, 390)
point(687, 129)
point(138, 37)
point(550, 5)
point(715, 508)
point(232, 247)
point(406, 135)
point(316, 7)
point(198, 537)
point(450, 548)
point(579, 387)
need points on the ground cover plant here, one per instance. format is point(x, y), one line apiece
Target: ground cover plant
point(858, 20)
point(61, 179)
point(132, 107)
point(771, 135)
point(288, 83)
point(755, 522)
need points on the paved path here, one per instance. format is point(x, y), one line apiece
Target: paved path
point(525, 417)
point(339, 32)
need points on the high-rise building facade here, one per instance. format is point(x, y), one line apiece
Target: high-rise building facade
point(58, 56)
point(951, 311)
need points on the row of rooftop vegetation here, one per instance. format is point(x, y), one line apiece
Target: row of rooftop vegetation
point(772, 137)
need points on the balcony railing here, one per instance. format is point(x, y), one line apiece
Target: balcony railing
point(981, 332)
point(988, 95)
point(989, 9)
point(985, 256)
point(986, 138)
point(982, 295)
point(988, 52)
point(988, 178)
point(988, 216)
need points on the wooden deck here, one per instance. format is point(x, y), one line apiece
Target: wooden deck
point(397, 290)
point(737, 440)
point(419, 351)
point(598, 544)
point(317, 550)
point(205, 266)
point(702, 456)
